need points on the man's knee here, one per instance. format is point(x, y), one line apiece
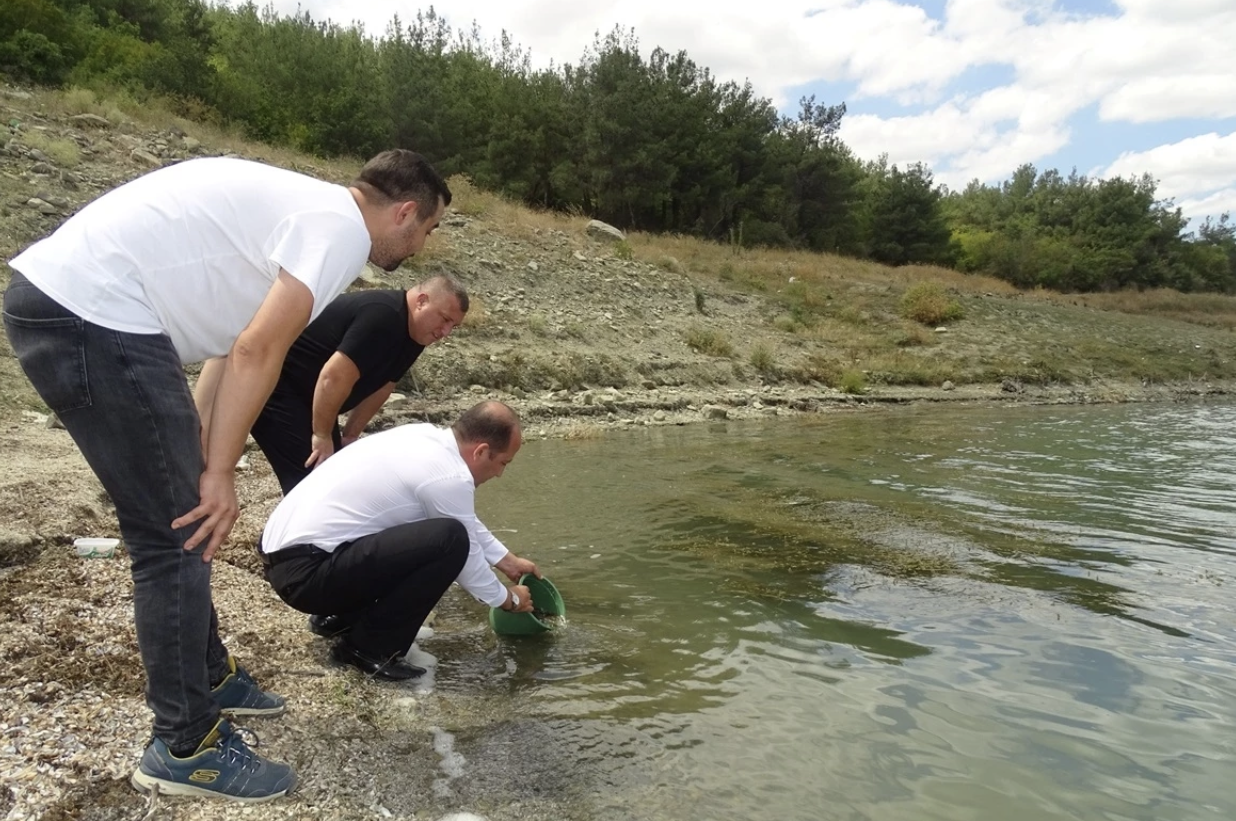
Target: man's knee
point(453, 536)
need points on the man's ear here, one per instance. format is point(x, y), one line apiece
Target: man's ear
point(480, 451)
point(407, 211)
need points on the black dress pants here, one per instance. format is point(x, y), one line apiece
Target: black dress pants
point(384, 584)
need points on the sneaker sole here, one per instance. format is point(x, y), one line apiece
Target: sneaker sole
point(269, 712)
point(145, 783)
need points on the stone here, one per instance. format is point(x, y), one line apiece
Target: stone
point(604, 231)
point(191, 145)
point(579, 256)
point(90, 120)
point(42, 168)
point(532, 266)
point(42, 206)
point(1010, 386)
point(715, 412)
point(659, 416)
point(948, 385)
point(145, 157)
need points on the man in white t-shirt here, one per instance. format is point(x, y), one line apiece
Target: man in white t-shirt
point(374, 536)
point(212, 258)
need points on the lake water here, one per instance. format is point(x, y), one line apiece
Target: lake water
point(907, 613)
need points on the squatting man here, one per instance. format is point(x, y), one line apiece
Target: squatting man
point(372, 538)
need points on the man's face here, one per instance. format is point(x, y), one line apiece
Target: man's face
point(433, 316)
point(404, 237)
point(490, 465)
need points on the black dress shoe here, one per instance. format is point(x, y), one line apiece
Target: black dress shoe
point(329, 626)
point(393, 668)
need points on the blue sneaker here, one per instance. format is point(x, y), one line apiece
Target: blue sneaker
point(240, 695)
point(223, 767)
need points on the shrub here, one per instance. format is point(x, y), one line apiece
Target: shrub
point(853, 382)
point(762, 359)
point(927, 303)
point(708, 341)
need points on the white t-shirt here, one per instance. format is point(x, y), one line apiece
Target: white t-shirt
point(191, 250)
point(399, 476)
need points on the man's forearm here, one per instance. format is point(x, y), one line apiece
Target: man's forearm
point(328, 397)
point(366, 410)
point(205, 389)
point(245, 383)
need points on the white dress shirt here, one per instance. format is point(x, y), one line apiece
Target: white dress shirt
point(396, 477)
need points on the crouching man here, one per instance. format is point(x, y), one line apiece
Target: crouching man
point(371, 540)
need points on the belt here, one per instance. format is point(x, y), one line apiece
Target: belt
point(295, 551)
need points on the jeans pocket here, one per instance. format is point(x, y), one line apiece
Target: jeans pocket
point(52, 352)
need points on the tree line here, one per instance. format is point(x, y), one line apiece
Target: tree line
point(652, 143)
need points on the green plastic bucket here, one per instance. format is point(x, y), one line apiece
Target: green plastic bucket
point(546, 601)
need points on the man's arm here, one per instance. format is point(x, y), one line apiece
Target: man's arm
point(335, 382)
point(360, 415)
point(204, 393)
point(247, 377)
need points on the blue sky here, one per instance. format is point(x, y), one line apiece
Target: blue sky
point(973, 88)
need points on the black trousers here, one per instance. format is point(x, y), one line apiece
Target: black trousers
point(283, 431)
point(384, 584)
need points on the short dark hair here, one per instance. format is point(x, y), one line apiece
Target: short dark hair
point(450, 285)
point(491, 422)
point(400, 175)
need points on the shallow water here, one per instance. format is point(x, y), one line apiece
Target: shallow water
point(934, 613)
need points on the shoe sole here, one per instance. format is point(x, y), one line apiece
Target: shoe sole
point(145, 783)
point(269, 712)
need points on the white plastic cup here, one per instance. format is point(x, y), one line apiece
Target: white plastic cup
point(95, 548)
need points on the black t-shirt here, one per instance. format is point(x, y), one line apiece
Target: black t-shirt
point(370, 328)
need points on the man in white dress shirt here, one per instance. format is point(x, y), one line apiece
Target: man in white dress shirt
point(374, 536)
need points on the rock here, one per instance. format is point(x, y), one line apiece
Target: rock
point(42, 168)
point(53, 422)
point(715, 412)
point(243, 464)
point(478, 389)
point(579, 256)
point(532, 266)
point(604, 231)
point(90, 120)
point(1011, 386)
point(191, 145)
point(455, 221)
point(941, 330)
point(39, 156)
point(948, 385)
point(395, 399)
point(145, 157)
point(42, 206)
point(659, 416)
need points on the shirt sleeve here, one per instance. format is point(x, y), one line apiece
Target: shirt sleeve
point(371, 335)
point(453, 498)
point(322, 249)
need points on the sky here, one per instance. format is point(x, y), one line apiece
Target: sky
point(972, 88)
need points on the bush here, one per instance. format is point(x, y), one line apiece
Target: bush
point(708, 341)
point(927, 303)
point(762, 359)
point(853, 382)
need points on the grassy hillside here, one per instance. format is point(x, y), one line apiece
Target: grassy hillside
point(555, 310)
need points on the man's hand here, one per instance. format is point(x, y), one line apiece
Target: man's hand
point(320, 449)
point(525, 600)
point(219, 508)
point(514, 567)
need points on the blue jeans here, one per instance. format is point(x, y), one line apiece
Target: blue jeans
point(124, 400)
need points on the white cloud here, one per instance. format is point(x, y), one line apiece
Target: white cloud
point(1196, 168)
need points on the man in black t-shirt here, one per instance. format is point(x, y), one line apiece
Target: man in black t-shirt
point(348, 361)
